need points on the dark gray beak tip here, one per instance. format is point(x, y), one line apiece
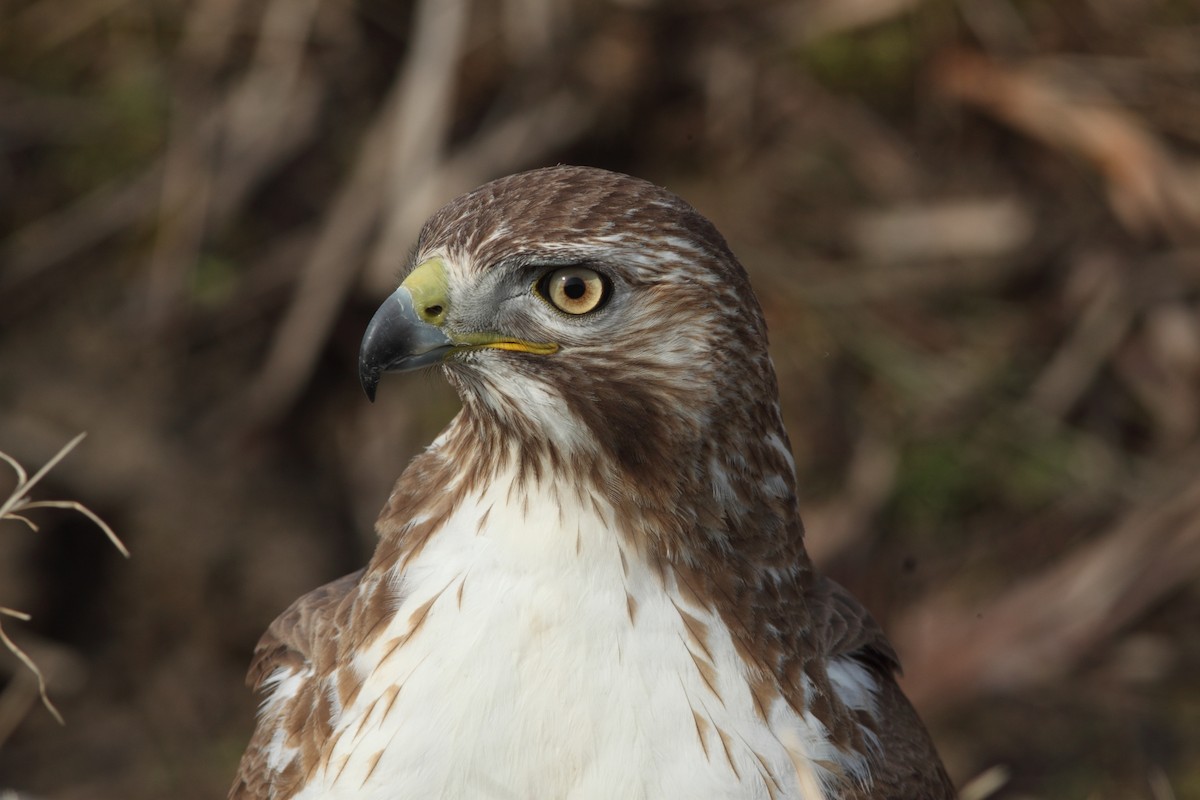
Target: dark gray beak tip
point(369, 370)
point(369, 382)
point(377, 345)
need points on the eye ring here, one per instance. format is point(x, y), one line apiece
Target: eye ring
point(574, 290)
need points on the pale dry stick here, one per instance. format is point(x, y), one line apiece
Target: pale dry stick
point(60, 235)
point(29, 663)
point(187, 185)
point(998, 25)
point(985, 784)
point(518, 138)
point(521, 137)
point(819, 19)
point(51, 23)
point(728, 76)
point(530, 27)
point(1160, 785)
point(273, 109)
point(407, 134)
point(1105, 321)
point(1149, 187)
point(840, 524)
point(966, 228)
point(422, 117)
point(15, 508)
point(326, 277)
point(1160, 366)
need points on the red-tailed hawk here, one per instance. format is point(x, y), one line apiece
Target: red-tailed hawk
point(593, 583)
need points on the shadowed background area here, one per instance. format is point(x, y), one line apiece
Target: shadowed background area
point(974, 226)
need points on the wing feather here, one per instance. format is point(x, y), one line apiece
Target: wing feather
point(907, 766)
point(300, 643)
point(847, 629)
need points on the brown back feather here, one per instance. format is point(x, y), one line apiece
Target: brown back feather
point(302, 636)
point(908, 767)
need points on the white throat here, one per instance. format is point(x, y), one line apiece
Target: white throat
point(529, 657)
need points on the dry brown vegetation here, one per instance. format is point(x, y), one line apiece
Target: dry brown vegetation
point(19, 694)
point(974, 224)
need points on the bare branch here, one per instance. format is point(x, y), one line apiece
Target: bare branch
point(12, 508)
point(29, 663)
point(87, 512)
point(49, 465)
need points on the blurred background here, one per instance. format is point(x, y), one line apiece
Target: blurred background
point(974, 225)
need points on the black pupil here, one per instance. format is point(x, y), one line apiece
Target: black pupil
point(574, 287)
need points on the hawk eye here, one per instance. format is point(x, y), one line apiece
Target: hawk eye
point(575, 290)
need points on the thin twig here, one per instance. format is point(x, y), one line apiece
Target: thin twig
point(28, 662)
point(13, 508)
point(19, 502)
point(87, 512)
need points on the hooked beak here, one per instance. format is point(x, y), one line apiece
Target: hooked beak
point(408, 331)
point(398, 339)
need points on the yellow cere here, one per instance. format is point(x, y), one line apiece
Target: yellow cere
point(430, 290)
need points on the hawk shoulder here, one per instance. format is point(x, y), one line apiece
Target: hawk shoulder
point(907, 766)
point(848, 630)
point(301, 642)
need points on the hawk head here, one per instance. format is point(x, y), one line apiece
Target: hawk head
point(593, 316)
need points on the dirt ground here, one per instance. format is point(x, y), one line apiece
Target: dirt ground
point(974, 226)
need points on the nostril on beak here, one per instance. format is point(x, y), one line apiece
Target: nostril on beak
point(433, 314)
point(429, 291)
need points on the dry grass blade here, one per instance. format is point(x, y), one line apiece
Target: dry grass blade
point(74, 505)
point(18, 501)
point(29, 663)
point(13, 508)
point(24, 483)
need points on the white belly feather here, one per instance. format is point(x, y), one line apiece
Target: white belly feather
point(527, 679)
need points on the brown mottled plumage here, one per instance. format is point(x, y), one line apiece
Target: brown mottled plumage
point(633, 456)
